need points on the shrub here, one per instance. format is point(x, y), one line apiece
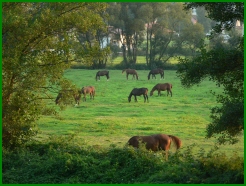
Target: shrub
point(63, 160)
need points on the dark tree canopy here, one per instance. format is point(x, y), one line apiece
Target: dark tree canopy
point(36, 43)
point(223, 65)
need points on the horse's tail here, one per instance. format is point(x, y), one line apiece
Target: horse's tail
point(162, 74)
point(176, 140)
point(171, 85)
point(146, 91)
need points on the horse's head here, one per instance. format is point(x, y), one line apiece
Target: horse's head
point(129, 99)
point(151, 93)
point(59, 96)
point(123, 71)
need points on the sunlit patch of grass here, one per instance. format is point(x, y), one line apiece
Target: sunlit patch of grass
point(111, 119)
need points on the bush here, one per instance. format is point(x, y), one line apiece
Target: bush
point(63, 160)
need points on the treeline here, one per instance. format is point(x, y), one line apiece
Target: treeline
point(157, 31)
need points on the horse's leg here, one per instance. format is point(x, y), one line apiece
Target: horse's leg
point(147, 97)
point(127, 76)
point(135, 98)
point(171, 93)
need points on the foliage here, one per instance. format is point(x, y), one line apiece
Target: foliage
point(127, 23)
point(225, 14)
point(159, 24)
point(64, 160)
point(224, 65)
point(36, 47)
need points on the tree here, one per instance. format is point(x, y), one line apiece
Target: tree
point(169, 29)
point(129, 26)
point(203, 19)
point(193, 36)
point(223, 65)
point(36, 46)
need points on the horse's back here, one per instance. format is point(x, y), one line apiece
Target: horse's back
point(149, 141)
point(164, 86)
point(139, 91)
point(88, 89)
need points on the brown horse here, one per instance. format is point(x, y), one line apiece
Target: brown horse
point(138, 92)
point(162, 87)
point(102, 73)
point(130, 71)
point(155, 142)
point(76, 97)
point(156, 71)
point(88, 90)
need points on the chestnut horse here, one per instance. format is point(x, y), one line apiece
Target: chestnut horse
point(76, 97)
point(156, 142)
point(162, 87)
point(130, 71)
point(88, 90)
point(102, 73)
point(138, 92)
point(156, 71)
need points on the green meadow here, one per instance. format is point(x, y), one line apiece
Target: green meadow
point(110, 120)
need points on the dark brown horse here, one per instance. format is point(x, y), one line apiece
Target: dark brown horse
point(88, 90)
point(162, 87)
point(138, 92)
point(156, 71)
point(130, 71)
point(102, 73)
point(76, 97)
point(155, 142)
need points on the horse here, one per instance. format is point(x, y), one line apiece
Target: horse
point(88, 90)
point(75, 96)
point(156, 71)
point(130, 71)
point(138, 92)
point(155, 142)
point(102, 73)
point(162, 87)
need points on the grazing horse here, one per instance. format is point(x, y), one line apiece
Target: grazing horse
point(130, 71)
point(102, 73)
point(155, 142)
point(138, 92)
point(156, 71)
point(75, 96)
point(88, 90)
point(162, 87)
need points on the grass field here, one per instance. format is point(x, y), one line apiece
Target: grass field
point(142, 60)
point(110, 120)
